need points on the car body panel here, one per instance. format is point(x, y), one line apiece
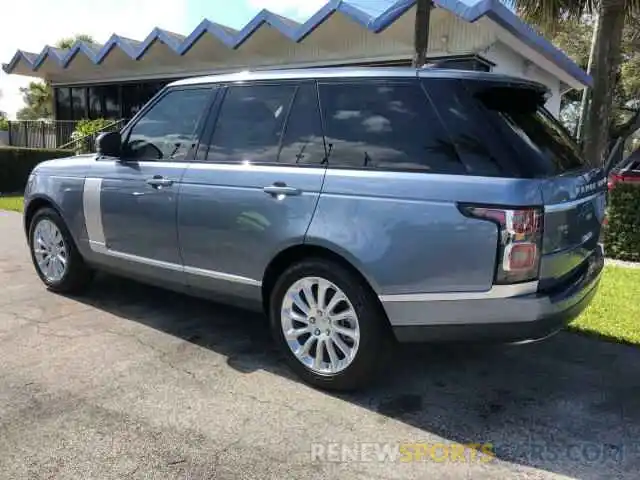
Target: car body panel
point(231, 228)
point(403, 227)
point(574, 212)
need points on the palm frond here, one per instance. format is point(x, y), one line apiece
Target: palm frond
point(547, 14)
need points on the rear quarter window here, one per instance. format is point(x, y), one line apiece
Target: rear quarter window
point(503, 129)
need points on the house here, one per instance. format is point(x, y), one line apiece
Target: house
point(115, 79)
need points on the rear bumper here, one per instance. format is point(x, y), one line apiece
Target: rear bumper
point(513, 319)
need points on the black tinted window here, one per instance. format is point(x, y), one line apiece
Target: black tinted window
point(250, 123)
point(504, 130)
point(167, 130)
point(481, 149)
point(556, 151)
point(302, 142)
point(386, 126)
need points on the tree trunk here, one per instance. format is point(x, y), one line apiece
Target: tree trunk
point(421, 32)
point(584, 103)
point(606, 63)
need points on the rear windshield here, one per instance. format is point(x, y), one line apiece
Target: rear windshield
point(504, 129)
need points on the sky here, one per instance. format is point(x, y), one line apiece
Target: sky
point(32, 24)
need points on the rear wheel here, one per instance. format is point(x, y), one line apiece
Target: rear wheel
point(54, 254)
point(328, 324)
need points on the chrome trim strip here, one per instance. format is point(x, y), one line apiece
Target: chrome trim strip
point(496, 291)
point(559, 207)
point(201, 272)
point(92, 211)
point(146, 261)
point(222, 276)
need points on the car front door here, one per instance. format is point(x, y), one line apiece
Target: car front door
point(138, 192)
point(253, 187)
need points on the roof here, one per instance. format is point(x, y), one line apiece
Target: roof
point(374, 15)
point(354, 72)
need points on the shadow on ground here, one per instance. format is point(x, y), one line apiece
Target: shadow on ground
point(569, 405)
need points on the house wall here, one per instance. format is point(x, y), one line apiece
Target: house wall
point(510, 62)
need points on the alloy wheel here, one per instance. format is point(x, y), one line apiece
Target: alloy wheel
point(50, 250)
point(320, 325)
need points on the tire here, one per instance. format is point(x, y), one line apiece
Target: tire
point(76, 276)
point(374, 335)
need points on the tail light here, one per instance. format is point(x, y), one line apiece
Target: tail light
point(613, 179)
point(520, 241)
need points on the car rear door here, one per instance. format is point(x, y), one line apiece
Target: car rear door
point(253, 187)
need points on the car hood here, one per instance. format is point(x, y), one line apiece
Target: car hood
point(65, 165)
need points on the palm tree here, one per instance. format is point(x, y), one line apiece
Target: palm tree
point(606, 57)
point(68, 42)
point(37, 96)
point(421, 32)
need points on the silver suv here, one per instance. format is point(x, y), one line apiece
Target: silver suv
point(354, 206)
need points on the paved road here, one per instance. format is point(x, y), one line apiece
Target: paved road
point(134, 382)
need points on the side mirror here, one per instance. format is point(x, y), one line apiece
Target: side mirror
point(109, 144)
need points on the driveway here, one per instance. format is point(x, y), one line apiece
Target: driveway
point(131, 381)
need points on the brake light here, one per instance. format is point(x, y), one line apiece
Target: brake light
point(613, 179)
point(520, 240)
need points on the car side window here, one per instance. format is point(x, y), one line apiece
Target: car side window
point(480, 147)
point(302, 142)
point(166, 132)
point(389, 126)
point(250, 123)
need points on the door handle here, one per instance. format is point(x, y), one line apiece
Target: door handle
point(281, 189)
point(158, 181)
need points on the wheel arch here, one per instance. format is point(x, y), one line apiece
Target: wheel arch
point(35, 204)
point(295, 253)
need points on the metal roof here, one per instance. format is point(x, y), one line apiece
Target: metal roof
point(374, 15)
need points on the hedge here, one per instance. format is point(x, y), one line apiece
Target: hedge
point(16, 165)
point(622, 233)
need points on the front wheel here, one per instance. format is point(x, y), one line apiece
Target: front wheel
point(54, 254)
point(329, 325)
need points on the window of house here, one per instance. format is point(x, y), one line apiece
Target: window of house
point(95, 102)
point(111, 94)
point(79, 102)
point(167, 130)
point(63, 103)
point(385, 126)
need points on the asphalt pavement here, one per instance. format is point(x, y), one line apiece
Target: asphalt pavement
point(131, 381)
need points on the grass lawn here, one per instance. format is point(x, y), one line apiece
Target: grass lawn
point(615, 311)
point(11, 203)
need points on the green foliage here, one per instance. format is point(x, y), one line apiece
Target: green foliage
point(16, 165)
point(622, 233)
point(67, 42)
point(614, 312)
point(83, 135)
point(38, 101)
point(4, 124)
point(574, 36)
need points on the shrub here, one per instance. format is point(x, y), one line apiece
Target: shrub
point(16, 165)
point(4, 124)
point(84, 133)
point(622, 233)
